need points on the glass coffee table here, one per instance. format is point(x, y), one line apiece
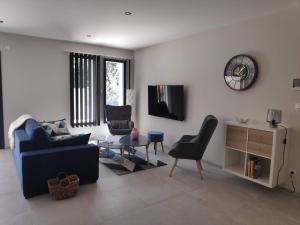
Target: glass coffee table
point(106, 146)
point(127, 144)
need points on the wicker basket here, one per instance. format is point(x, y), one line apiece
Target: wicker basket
point(64, 186)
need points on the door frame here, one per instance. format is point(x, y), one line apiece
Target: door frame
point(2, 141)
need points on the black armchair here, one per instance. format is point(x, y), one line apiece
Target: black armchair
point(119, 119)
point(193, 146)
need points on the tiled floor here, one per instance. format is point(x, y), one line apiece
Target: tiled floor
point(151, 198)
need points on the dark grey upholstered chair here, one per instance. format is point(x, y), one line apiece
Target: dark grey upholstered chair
point(193, 146)
point(119, 119)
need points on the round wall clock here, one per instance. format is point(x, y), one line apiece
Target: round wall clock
point(240, 72)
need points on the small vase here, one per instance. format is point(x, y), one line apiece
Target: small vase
point(134, 134)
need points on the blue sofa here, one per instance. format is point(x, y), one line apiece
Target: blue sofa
point(37, 159)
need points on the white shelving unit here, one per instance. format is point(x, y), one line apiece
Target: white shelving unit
point(243, 141)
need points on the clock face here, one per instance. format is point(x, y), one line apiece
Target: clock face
point(240, 72)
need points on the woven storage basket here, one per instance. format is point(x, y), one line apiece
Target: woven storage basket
point(64, 186)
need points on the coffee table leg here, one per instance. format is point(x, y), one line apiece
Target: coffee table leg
point(147, 146)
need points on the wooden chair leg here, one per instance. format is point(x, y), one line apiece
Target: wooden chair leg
point(162, 146)
point(199, 166)
point(173, 167)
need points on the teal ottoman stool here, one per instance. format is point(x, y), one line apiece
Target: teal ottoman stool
point(155, 137)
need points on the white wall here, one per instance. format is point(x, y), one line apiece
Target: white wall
point(198, 63)
point(35, 74)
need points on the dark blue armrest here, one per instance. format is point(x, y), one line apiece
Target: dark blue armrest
point(22, 141)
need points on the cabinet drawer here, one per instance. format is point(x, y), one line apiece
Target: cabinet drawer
point(260, 142)
point(236, 137)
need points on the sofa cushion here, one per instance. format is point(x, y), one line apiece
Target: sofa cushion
point(30, 126)
point(57, 127)
point(119, 124)
point(37, 134)
point(40, 138)
point(80, 139)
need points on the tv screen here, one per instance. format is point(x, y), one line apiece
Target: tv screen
point(166, 101)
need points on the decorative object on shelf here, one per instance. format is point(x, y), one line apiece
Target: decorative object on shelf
point(241, 119)
point(134, 134)
point(254, 167)
point(274, 117)
point(131, 100)
point(296, 84)
point(240, 72)
point(63, 186)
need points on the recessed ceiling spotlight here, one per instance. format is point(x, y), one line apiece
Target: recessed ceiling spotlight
point(1, 21)
point(128, 13)
point(88, 35)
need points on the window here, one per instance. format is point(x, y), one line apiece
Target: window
point(84, 89)
point(94, 82)
point(115, 82)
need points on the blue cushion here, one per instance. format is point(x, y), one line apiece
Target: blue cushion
point(81, 139)
point(37, 134)
point(41, 138)
point(155, 136)
point(30, 125)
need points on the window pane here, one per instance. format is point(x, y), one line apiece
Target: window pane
point(115, 83)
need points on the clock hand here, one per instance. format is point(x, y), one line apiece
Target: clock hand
point(241, 70)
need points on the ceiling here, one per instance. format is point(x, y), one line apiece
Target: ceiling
point(152, 21)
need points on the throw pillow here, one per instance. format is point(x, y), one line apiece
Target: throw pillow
point(80, 139)
point(57, 127)
point(40, 138)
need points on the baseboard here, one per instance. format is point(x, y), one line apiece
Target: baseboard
point(212, 163)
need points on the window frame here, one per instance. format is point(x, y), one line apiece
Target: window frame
point(124, 61)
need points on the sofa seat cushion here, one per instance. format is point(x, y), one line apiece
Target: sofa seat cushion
point(119, 124)
point(155, 136)
point(70, 140)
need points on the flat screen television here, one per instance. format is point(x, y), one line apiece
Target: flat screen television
point(166, 101)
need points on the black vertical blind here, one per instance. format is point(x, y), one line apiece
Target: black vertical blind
point(84, 89)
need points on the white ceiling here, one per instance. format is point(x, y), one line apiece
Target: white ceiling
point(153, 21)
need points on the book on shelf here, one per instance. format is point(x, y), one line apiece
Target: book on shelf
point(254, 167)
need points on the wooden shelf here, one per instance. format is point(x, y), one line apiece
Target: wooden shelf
point(236, 169)
point(260, 154)
point(244, 141)
point(263, 180)
point(236, 149)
